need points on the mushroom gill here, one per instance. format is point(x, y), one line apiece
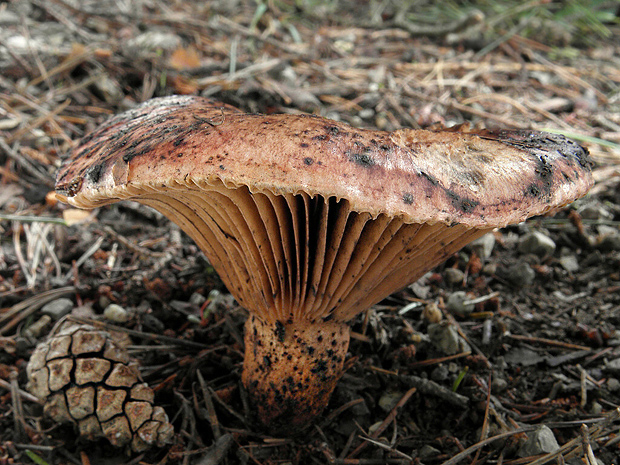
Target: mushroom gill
point(303, 267)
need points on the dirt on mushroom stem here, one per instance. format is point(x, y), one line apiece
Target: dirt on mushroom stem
point(291, 370)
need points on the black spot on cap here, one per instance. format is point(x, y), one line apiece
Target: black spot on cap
point(408, 198)
point(532, 190)
point(308, 161)
point(462, 203)
point(94, 172)
point(362, 159)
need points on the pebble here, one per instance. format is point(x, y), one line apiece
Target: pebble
point(499, 385)
point(540, 441)
point(197, 299)
point(569, 263)
point(152, 41)
point(446, 339)
point(36, 328)
point(595, 211)
point(454, 276)
point(427, 452)
point(458, 302)
point(389, 400)
point(116, 314)
point(613, 384)
point(536, 243)
point(153, 324)
point(440, 373)
point(521, 274)
point(58, 308)
point(483, 246)
point(613, 365)
point(489, 269)
point(431, 313)
point(609, 242)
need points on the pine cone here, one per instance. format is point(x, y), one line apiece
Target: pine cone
point(86, 378)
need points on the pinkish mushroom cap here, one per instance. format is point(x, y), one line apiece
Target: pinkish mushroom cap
point(309, 221)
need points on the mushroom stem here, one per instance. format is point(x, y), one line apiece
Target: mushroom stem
point(290, 370)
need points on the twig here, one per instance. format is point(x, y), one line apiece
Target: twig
point(479, 445)
point(433, 30)
point(550, 342)
point(211, 414)
point(231, 25)
point(32, 219)
point(384, 424)
point(426, 386)
point(24, 163)
point(27, 307)
point(139, 334)
point(85, 256)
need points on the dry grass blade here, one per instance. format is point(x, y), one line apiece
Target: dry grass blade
point(18, 312)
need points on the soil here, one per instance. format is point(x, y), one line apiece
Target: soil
point(426, 381)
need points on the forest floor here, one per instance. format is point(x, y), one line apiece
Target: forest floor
point(541, 347)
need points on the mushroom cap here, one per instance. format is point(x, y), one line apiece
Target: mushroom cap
point(480, 179)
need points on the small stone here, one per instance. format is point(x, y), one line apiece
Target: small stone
point(523, 356)
point(446, 339)
point(595, 211)
point(58, 308)
point(109, 89)
point(537, 243)
point(483, 246)
point(499, 385)
point(540, 441)
point(569, 263)
point(197, 299)
point(458, 303)
point(521, 274)
point(35, 329)
point(84, 311)
point(116, 314)
point(454, 276)
point(431, 313)
point(427, 452)
point(613, 384)
point(367, 113)
point(613, 366)
point(489, 269)
point(440, 373)
point(389, 399)
point(153, 41)
point(609, 242)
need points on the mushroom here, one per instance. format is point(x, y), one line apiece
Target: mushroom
point(309, 221)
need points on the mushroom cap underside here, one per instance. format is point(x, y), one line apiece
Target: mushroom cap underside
point(475, 178)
